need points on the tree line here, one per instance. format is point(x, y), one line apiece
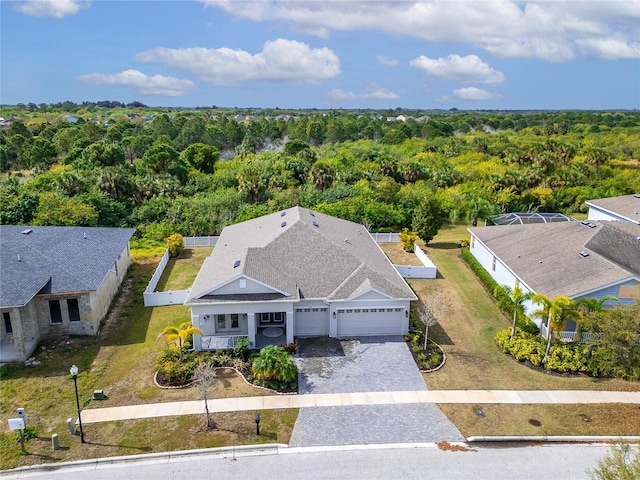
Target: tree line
point(195, 172)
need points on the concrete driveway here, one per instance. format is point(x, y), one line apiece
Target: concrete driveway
point(368, 364)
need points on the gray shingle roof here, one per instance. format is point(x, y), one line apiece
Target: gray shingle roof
point(312, 256)
point(625, 206)
point(55, 260)
point(546, 257)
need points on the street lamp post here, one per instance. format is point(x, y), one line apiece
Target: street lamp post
point(74, 374)
point(257, 418)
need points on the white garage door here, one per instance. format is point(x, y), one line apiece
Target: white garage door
point(370, 321)
point(311, 321)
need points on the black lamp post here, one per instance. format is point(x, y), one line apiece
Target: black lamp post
point(74, 374)
point(257, 424)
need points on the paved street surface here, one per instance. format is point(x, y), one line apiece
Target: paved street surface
point(380, 364)
point(484, 462)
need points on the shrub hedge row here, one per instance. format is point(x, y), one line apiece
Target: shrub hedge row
point(596, 361)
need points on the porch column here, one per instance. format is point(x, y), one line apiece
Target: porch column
point(197, 339)
point(289, 327)
point(251, 327)
point(18, 333)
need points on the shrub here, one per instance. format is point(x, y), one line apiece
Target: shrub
point(174, 244)
point(241, 348)
point(274, 363)
point(176, 371)
point(408, 239)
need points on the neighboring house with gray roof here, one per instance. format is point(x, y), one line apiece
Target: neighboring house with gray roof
point(625, 208)
point(586, 259)
point(296, 273)
point(57, 281)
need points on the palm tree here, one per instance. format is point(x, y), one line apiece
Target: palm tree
point(274, 363)
point(587, 305)
point(555, 311)
point(180, 334)
point(518, 297)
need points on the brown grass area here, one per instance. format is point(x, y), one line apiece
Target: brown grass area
point(468, 321)
point(121, 361)
point(398, 256)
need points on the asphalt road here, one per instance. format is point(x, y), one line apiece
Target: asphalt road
point(486, 461)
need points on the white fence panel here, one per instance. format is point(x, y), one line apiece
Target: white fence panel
point(153, 283)
point(386, 237)
point(160, 299)
point(199, 241)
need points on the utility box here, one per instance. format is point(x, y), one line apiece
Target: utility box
point(99, 395)
point(72, 426)
point(55, 443)
point(22, 415)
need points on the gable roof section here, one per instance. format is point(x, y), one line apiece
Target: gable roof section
point(55, 260)
point(546, 257)
point(625, 206)
point(304, 253)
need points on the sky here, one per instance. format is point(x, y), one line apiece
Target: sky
point(475, 54)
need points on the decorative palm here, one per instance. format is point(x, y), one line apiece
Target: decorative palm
point(555, 311)
point(594, 304)
point(274, 363)
point(180, 334)
point(518, 297)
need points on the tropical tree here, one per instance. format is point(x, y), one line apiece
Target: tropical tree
point(588, 305)
point(518, 298)
point(274, 363)
point(427, 219)
point(179, 335)
point(555, 311)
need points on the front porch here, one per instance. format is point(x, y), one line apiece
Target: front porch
point(265, 336)
point(10, 354)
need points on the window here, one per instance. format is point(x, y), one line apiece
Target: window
point(7, 322)
point(54, 311)
point(235, 321)
point(493, 264)
point(74, 309)
point(227, 323)
point(267, 318)
point(221, 322)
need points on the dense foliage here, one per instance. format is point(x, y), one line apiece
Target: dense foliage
point(194, 172)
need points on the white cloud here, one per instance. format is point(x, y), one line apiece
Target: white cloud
point(387, 62)
point(610, 48)
point(51, 8)
point(373, 92)
point(279, 61)
point(143, 84)
point(548, 30)
point(469, 69)
point(469, 94)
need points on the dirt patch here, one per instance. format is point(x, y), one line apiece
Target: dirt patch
point(448, 447)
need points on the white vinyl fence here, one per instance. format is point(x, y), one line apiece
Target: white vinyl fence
point(188, 242)
point(158, 299)
point(386, 237)
point(427, 270)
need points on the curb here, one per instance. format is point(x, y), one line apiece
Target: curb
point(556, 439)
point(267, 449)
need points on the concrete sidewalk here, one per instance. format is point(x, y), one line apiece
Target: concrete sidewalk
point(480, 397)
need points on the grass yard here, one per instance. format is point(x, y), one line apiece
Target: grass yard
point(180, 272)
point(468, 321)
point(121, 361)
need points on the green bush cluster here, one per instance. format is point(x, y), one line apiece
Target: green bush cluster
point(428, 359)
point(175, 371)
point(597, 361)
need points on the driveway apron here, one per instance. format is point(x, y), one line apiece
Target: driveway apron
point(367, 364)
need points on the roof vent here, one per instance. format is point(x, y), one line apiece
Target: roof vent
point(26, 231)
point(282, 214)
point(346, 240)
point(637, 195)
point(315, 224)
point(540, 262)
point(584, 254)
point(312, 214)
point(236, 264)
point(19, 259)
point(591, 225)
point(283, 224)
point(84, 235)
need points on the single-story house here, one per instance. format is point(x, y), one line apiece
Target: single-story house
point(625, 208)
point(57, 281)
point(586, 259)
point(296, 273)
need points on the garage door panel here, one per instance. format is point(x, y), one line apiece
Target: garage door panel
point(365, 322)
point(311, 321)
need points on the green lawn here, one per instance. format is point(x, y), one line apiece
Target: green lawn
point(180, 272)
